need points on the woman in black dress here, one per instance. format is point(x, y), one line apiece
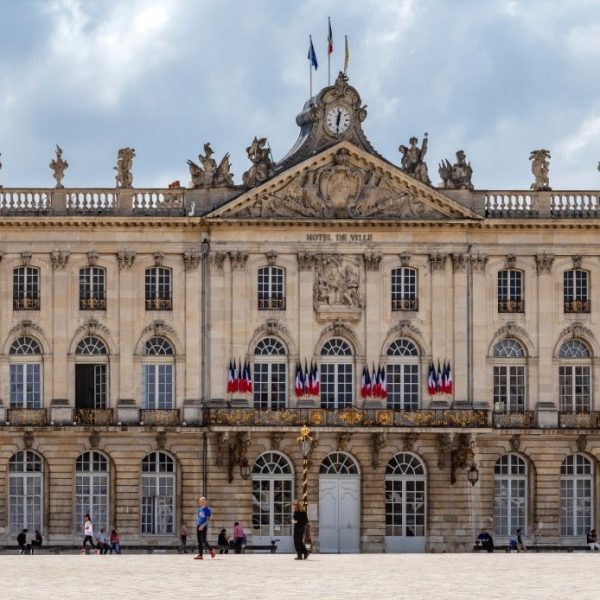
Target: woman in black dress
point(300, 520)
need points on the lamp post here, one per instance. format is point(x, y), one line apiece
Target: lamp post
point(305, 442)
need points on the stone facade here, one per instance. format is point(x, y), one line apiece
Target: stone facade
point(338, 259)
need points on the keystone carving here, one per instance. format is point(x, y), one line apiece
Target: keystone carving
point(511, 261)
point(94, 438)
point(409, 440)
point(343, 439)
point(276, 439)
point(159, 258)
point(26, 259)
point(271, 258)
point(405, 259)
point(582, 441)
point(28, 439)
point(93, 258)
point(161, 440)
point(577, 262)
point(515, 442)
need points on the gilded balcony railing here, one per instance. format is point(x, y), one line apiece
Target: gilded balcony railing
point(159, 417)
point(27, 302)
point(161, 303)
point(405, 304)
point(511, 306)
point(27, 416)
point(513, 420)
point(349, 417)
point(271, 304)
point(94, 416)
point(577, 306)
point(95, 303)
point(580, 420)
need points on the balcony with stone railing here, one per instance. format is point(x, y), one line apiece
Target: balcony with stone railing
point(563, 204)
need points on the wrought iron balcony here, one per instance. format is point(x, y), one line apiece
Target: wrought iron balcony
point(27, 301)
point(271, 304)
point(159, 303)
point(405, 304)
point(349, 417)
point(579, 420)
point(511, 306)
point(27, 416)
point(513, 420)
point(577, 306)
point(94, 416)
point(92, 303)
point(166, 417)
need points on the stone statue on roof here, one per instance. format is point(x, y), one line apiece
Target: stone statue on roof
point(458, 175)
point(124, 177)
point(413, 159)
point(209, 173)
point(58, 166)
point(540, 167)
point(262, 163)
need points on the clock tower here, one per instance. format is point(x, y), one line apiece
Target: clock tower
point(336, 113)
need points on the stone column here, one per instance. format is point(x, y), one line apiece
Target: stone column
point(460, 348)
point(545, 403)
point(61, 309)
point(239, 314)
point(127, 329)
point(372, 319)
point(482, 398)
point(438, 319)
point(192, 312)
point(219, 339)
point(306, 326)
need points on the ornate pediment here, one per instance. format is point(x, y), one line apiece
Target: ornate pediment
point(343, 182)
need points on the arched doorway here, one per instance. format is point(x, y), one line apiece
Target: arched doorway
point(339, 504)
point(405, 504)
point(272, 493)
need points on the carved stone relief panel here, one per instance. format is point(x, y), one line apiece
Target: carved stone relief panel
point(543, 263)
point(125, 258)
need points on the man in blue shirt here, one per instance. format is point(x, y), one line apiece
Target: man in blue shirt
point(204, 514)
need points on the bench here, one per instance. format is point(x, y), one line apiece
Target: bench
point(272, 547)
point(535, 548)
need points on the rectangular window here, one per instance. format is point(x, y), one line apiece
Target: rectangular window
point(269, 386)
point(403, 386)
point(509, 388)
point(26, 288)
point(158, 289)
point(25, 386)
point(158, 504)
point(574, 383)
point(25, 502)
point(157, 386)
point(510, 292)
point(404, 289)
point(271, 288)
point(336, 385)
point(92, 289)
point(576, 296)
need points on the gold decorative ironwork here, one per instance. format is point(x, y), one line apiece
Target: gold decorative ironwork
point(30, 302)
point(317, 417)
point(581, 420)
point(577, 306)
point(160, 417)
point(159, 304)
point(94, 416)
point(27, 416)
point(352, 416)
point(514, 420)
point(441, 418)
point(384, 417)
point(92, 303)
point(511, 306)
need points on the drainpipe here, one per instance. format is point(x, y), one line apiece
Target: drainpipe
point(205, 387)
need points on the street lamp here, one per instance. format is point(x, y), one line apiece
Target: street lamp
point(473, 474)
point(305, 442)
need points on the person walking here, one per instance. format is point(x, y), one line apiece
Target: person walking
point(239, 537)
point(183, 533)
point(300, 520)
point(203, 516)
point(88, 532)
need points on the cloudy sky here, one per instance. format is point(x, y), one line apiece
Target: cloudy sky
point(496, 78)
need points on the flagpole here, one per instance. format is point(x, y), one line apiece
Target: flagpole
point(310, 66)
point(328, 54)
point(346, 55)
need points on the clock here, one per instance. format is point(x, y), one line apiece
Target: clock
point(337, 119)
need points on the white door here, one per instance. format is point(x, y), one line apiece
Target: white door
point(339, 505)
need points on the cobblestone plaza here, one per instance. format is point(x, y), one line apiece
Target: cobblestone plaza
point(329, 577)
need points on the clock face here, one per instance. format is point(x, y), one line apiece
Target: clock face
point(337, 119)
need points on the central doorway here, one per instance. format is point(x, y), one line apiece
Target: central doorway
point(339, 504)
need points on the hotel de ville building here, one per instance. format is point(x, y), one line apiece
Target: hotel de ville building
point(440, 343)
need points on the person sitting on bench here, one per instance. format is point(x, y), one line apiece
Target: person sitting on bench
point(24, 547)
point(486, 541)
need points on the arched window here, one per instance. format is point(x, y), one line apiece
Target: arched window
point(271, 288)
point(25, 373)
point(576, 495)
point(575, 377)
point(405, 496)
point(338, 463)
point(158, 289)
point(157, 374)
point(158, 494)
point(337, 380)
point(510, 291)
point(402, 375)
point(25, 491)
point(510, 383)
point(510, 495)
point(405, 291)
point(272, 493)
point(576, 294)
point(92, 288)
point(26, 288)
point(269, 378)
point(91, 374)
point(91, 490)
